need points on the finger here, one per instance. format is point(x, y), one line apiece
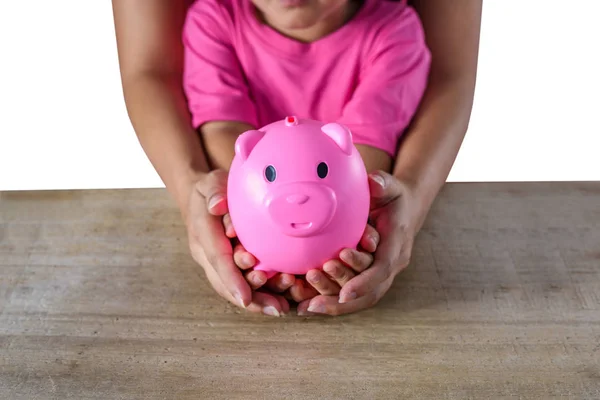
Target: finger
point(370, 239)
point(322, 283)
point(301, 291)
point(381, 271)
point(285, 305)
point(269, 304)
point(234, 281)
point(390, 259)
point(215, 281)
point(214, 189)
point(207, 233)
point(212, 276)
point(366, 282)
point(265, 303)
point(288, 295)
point(338, 272)
point(256, 279)
point(383, 188)
point(329, 305)
point(259, 302)
point(219, 254)
point(217, 204)
point(302, 309)
point(280, 283)
point(357, 260)
point(228, 225)
point(242, 258)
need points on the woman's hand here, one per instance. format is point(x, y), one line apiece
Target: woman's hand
point(212, 249)
point(395, 211)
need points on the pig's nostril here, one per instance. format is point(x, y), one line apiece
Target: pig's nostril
point(297, 199)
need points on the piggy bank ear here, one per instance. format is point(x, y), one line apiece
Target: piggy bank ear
point(246, 142)
point(340, 135)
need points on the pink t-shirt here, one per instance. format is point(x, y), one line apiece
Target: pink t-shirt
point(369, 75)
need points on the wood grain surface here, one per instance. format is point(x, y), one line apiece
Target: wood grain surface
point(99, 299)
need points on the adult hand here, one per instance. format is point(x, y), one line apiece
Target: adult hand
point(212, 249)
point(394, 210)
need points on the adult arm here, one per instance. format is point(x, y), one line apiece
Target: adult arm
point(151, 58)
point(432, 142)
point(151, 61)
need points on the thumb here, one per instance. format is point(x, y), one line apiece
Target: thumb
point(213, 187)
point(384, 188)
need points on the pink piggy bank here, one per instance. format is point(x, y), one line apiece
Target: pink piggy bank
point(298, 194)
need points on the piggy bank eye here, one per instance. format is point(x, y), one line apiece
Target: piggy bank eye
point(270, 173)
point(322, 170)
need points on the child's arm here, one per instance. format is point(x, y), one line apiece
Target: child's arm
point(151, 62)
point(218, 96)
point(219, 139)
point(375, 159)
point(426, 155)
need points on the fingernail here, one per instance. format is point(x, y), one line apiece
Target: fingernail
point(238, 298)
point(330, 269)
point(318, 308)
point(379, 179)
point(248, 260)
point(301, 313)
point(373, 240)
point(287, 280)
point(216, 199)
point(315, 278)
point(348, 297)
point(346, 256)
point(258, 280)
point(334, 271)
point(272, 311)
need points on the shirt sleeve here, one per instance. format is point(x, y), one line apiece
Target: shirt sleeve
point(391, 85)
point(213, 80)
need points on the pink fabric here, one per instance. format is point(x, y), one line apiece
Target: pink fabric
point(369, 75)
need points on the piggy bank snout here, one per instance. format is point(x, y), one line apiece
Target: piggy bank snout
point(301, 209)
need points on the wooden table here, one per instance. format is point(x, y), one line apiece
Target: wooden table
point(99, 299)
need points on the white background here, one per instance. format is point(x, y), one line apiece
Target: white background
point(63, 122)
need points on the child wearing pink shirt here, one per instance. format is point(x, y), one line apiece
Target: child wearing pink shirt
point(399, 74)
point(369, 74)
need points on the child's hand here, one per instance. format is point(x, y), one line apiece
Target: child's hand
point(246, 261)
point(257, 279)
point(212, 249)
point(329, 282)
point(337, 272)
point(394, 210)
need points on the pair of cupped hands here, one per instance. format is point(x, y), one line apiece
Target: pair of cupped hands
point(356, 280)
